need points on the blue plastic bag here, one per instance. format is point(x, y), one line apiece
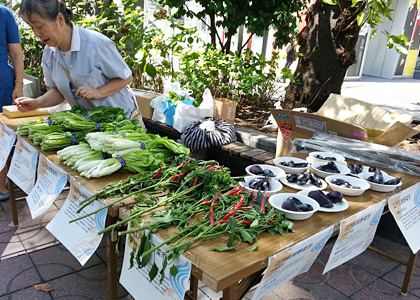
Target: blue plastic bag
point(170, 110)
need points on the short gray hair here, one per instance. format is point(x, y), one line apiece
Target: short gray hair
point(47, 9)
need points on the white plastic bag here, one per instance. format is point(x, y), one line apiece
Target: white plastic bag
point(159, 103)
point(186, 114)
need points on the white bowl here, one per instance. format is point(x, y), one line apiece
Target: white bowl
point(291, 170)
point(338, 157)
point(277, 200)
point(385, 188)
point(344, 170)
point(363, 184)
point(277, 171)
point(275, 186)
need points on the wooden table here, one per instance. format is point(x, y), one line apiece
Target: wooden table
point(93, 184)
point(231, 272)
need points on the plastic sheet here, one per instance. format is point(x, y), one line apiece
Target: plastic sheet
point(364, 152)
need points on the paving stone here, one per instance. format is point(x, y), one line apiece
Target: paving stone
point(396, 277)
point(349, 279)
point(10, 245)
point(37, 239)
point(383, 290)
point(17, 273)
point(251, 153)
point(264, 158)
point(57, 261)
point(90, 283)
point(26, 294)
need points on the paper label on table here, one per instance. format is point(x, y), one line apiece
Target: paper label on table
point(84, 238)
point(22, 169)
point(136, 281)
point(291, 262)
point(356, 234)
point(7, 139)
point(405, 207)
point(49, 184)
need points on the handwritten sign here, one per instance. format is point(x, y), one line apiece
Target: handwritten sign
point(84, 238)
point(405, 207)
point(7, 139)
point(49, 184)
point(136, 281)
point(22, 169)
point(291, 262)
point(356, 234)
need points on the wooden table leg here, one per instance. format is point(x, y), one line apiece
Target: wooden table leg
point(192, 294)
point(12, 195)
point(408, 273)
point(112, 263)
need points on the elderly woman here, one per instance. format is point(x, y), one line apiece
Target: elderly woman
point(11, 79)
point(80, 65)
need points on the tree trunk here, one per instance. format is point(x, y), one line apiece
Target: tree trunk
point(327, 49)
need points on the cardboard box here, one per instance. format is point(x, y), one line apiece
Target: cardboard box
point(143, 101)
point(346, 117)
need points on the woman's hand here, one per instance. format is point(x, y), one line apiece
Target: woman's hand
point(25, 104)
point(17, 92)
point(89, 93)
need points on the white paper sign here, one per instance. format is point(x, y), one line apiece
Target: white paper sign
point(291, 262)
point(84, 239)
point(22, 169)
point(356, 234)
point(136, 281)
point(7, 139)
point(405, 207)
point(49, 184)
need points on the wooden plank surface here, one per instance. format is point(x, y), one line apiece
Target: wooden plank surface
point(92, 184)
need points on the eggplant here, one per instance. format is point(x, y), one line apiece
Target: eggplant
point(292, 177)
point(265, 185)
point(377, 177)
point(255, 183)
point(320, 197)
point(305, 207)
point(292, 164)
point(289, 204)
point(295, 200)
point(352, 168)
point(338, 181)
point(330, 167)
point(359, 169)
point(303, 178)
point(335, 197)
point(268, 173)
point(393, 181)
point(315, 180)
point(256, 170)
point(372, 169)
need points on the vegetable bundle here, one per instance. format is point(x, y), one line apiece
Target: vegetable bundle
point(70, 127)
point(202, 200)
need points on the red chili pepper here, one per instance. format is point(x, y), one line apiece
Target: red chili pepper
point(247, 222)
point(217, 198)
point(195, 181)
point(209, 166)
point(208, 202)
point(262, 204)
point(175, 181)
point(158, 172)
point(177, 175)
point(187, 163)
point(211, 217)
point(240, 201)
point(189, 170)
point(232, 191)
point(229, 214)
point(181, 165)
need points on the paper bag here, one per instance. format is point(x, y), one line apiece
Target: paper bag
point(224, 109)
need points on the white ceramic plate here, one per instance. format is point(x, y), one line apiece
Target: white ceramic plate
point(384, 188)
point(274, 185)
point(278, 199)
point(343, 205)
point(308, 186)
point(323, 154)
point(343, 169)
point(276, 170)
point(311, 160)
point(291, 170)
point(363, 184)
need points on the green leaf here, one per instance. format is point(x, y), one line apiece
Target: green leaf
point(153, 272)
point(173, 270)
point(360, 18)
point(232, 223)
point(190, 40)
point(245, 235)
point(330, 2)
point(151, 70)
point(223, 249)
